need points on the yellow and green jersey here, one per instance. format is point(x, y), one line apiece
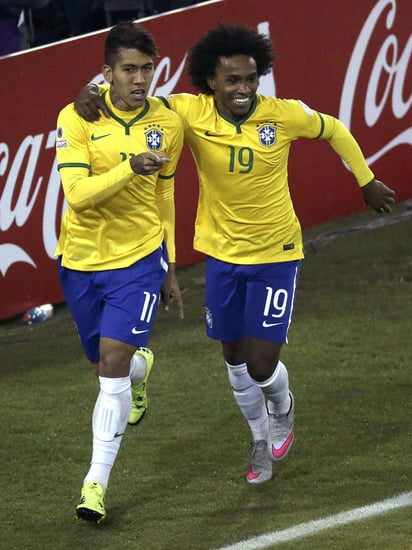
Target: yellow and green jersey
point(116, 217)
point(245, 213)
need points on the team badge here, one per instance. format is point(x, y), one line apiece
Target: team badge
point(267, 135)
point(154, 137)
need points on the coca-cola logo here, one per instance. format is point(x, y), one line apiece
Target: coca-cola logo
point(18, 210)
point(391, 67)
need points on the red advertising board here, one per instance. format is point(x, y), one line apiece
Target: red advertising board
point(350, 59)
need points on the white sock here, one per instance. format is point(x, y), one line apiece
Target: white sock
point(110, 416)
point(137, 368)
point(250, 400)
point(276, 390)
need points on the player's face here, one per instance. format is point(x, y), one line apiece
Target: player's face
point(234, 85)
point(130, 78)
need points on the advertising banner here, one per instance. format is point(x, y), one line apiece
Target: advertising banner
point(349, 59)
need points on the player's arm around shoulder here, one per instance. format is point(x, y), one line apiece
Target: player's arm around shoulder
point(89, 103)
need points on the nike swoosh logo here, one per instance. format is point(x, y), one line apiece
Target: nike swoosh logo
point(135, 331)
point(207, 133)
point(95, 138)
point(118, 435)
point(278, 453)
point(251, 474)
point(267, 325)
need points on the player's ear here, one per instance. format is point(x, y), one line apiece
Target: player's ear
point(211, 82)
point(107, 73)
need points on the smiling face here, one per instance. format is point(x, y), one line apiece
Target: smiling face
point(129, 77)
point(234, 85)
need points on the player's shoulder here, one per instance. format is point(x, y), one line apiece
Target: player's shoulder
point(285, 107)
point(68, 110)
point(69, 117)
point(160, 107)
point(158, 103)
point(188, 102)
point(279, 102)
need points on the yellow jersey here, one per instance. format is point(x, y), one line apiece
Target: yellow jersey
point(114, 216)
point(245, 213)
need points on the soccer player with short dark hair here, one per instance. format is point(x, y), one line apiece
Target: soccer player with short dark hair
point(116, 247)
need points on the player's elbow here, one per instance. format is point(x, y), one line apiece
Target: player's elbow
point(78, 206)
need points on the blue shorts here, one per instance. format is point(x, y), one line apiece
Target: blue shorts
point(117, 303)
point(250, 300)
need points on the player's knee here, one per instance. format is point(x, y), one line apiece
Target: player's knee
point(261, 370)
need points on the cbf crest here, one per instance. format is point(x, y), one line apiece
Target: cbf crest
point(154, 137)
point(267, 135)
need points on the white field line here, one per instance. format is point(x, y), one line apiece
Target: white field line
point(312, 527)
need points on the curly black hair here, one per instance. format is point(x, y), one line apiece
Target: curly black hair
point(226, 41)
point(129, 35)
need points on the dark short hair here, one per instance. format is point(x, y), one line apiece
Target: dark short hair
point(227, 41)
point(128, 35)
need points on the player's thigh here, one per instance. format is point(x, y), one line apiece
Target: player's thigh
point(132, 297)
point(224, 301)
point(85, 305)
point(270, 297)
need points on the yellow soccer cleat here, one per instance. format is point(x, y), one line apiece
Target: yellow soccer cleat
point(91, 504)
point(139, 391)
